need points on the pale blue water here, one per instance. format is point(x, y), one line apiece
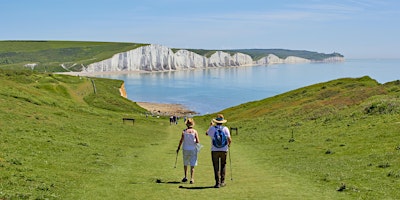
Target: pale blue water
point(212, 90)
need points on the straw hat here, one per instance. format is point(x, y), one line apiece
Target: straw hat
point(219, 119)
point(189, 122)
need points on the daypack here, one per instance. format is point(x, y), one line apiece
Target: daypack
point(219, 139)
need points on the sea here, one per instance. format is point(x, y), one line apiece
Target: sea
point(214, 89)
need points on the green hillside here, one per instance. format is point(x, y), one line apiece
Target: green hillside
point(257, 54)
point(62, 137)
point(49, 55)
point(284, 53)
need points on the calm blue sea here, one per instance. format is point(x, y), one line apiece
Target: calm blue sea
point(212, 90)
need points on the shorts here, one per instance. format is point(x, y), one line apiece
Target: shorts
point(190, 157)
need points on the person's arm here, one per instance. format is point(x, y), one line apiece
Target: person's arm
point(229, 136)
point(197, 137)
point(180, 142)
point(211, 124)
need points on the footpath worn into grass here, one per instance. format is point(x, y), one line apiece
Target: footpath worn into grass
point(62, 137)
point(149, 173)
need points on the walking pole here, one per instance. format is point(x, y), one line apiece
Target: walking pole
point(176, 159)
point(230, 163)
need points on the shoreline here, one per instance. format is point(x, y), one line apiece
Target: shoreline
point(166, 109)
point(159, 109)
point(90, 74)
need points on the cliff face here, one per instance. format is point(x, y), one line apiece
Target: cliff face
point(160, 58)
point(272, 59)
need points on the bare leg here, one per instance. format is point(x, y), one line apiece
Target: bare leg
point(185, 169)
point(191, 174)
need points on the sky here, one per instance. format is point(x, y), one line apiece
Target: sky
point(354, 28)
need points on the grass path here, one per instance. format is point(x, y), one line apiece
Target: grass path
point(136, 175)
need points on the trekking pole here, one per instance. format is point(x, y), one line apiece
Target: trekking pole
point(230, 163)
point(176, 159)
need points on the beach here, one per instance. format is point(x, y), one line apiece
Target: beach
point(161, 109)
point(165, 109)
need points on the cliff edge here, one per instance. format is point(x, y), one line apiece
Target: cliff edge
point(161, 58)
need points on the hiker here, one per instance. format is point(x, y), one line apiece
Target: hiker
point(219, 149)
point(190, 140)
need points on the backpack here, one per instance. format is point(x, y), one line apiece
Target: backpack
point(219, 139)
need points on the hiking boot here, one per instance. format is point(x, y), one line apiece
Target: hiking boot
point(184, 180)
point(223, 184)
point(191, 181)
point(217, 185)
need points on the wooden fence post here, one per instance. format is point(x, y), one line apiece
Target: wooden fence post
point(234, 129)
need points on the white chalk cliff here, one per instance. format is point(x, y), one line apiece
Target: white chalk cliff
point(161, 58)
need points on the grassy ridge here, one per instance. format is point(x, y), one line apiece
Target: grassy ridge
point(52, 132)
point(339, 134)
point(60, 140)
point(49, 55)
point(257, 54)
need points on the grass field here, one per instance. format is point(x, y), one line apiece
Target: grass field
point(61, 140)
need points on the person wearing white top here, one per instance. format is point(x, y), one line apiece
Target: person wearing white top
point(189, 139)
point(218, 154)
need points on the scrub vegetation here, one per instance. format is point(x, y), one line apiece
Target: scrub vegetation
point(62, 137)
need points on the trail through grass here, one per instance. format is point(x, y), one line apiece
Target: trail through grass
point(60, 140)
point(148, 173)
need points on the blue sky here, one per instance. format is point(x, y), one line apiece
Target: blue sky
point(355, 28)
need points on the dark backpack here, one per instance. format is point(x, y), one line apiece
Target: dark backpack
point(219, 139)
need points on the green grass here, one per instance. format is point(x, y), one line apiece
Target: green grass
point(49, 55)
point(60, 140)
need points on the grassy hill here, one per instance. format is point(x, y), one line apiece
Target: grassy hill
point(49, 55)
point(61, 140)
point(338, 134)
point(257, 54)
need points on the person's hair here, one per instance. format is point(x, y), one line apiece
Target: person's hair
point(189, 122)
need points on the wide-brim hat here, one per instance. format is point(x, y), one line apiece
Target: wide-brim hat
point(219, 119)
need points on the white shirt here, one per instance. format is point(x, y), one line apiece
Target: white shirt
point(189, 139)
point(211, 132)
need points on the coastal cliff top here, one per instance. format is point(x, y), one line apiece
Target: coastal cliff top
point(62, 56)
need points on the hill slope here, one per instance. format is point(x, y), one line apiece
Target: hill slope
point(339, 134)
point(281, 53)
point(61, 140)
point(49, 55)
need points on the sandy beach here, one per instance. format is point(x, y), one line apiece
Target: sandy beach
point(163, 109)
